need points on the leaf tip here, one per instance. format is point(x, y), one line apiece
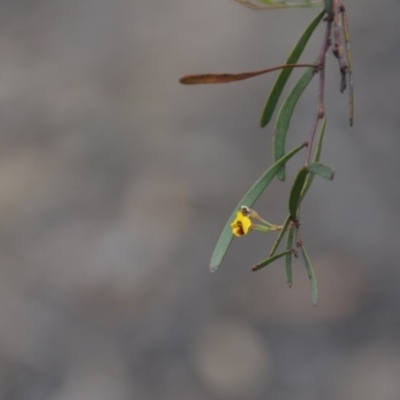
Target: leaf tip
point(213, 268)
point(281, 175)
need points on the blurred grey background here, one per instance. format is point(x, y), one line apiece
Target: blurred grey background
point(115, 182)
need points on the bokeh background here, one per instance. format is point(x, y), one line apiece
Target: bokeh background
point(115, 182)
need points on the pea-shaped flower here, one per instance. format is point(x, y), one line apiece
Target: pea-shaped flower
point(241, 225)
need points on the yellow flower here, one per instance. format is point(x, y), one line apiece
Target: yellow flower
point(241, 225)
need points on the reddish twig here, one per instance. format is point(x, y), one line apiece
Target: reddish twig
point(321, 67)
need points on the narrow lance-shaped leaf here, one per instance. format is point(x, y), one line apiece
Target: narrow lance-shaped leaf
point(249, 199)
point(328, 6)
point(284, 75)
point(320, 139)
point(295, 193)
point(201, 79)
point(274, 4)
point(317, 156)
point(311, 276)
point(323, 170)
point(280, 236)
point(269, 260)
point(285, 115)
point(288, 258)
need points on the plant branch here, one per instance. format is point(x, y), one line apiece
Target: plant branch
point(337, 44)
point(321, 67)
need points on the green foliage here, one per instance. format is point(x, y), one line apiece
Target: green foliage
point(317, 156)
point(270, 260)
point(280, 235)
point(288, 258)
point(248, 200)
point(244, 217)
point(311, 276)
point(284, 75)
point(295, 193)
point(323, 170)
point(285, 115)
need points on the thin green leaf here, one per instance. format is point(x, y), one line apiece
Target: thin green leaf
point(311, 276)
point(288, 258)
point(295, 193)
point(249, 199)
point(328, 6)
point(318, 149)
point(284, 75)
point(269, 260)
point(285, 115)
point(323, 170)
point(273, 4)
point(280, 236)
point(317, 156)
